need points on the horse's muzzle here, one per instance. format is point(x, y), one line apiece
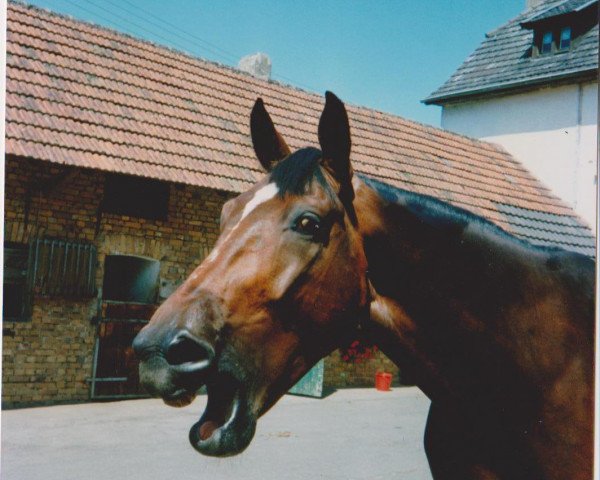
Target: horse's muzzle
point(174, 364)
point(175, 367)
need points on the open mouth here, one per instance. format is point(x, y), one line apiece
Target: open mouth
point(226, 427)
point(228, 423)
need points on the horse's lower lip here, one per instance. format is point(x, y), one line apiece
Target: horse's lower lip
point(176, 394)
point(226, 427)
point(209, 427)
point(179, 398)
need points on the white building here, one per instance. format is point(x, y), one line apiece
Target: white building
point(532, 86)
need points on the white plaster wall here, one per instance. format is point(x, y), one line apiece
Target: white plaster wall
point(552, 131)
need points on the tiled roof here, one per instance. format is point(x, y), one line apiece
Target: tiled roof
point(548, 229)
point(502, 61)
point(83, 95)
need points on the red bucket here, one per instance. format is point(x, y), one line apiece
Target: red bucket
point(383, 381)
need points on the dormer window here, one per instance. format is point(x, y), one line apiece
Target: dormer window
point(565, 38)
point(560, 27)
point(547, 42)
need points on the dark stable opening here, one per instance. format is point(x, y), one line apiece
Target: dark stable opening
point(136, 197)
point(16, 264)
point(130, 279)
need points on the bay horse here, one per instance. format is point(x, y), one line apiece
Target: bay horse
point(498, 333)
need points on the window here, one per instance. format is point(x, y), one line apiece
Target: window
point(52, 268)
point(565, 38)
point(63, 269)
point(136, 197)
point(547, 42)
point(16, 298)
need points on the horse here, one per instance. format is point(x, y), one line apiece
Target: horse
point(498, 333)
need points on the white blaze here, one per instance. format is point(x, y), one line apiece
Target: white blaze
point(260, 196)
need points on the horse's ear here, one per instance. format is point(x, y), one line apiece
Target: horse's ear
point(334, 138)
point(269, 145)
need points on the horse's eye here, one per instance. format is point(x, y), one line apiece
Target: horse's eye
point(308, 224)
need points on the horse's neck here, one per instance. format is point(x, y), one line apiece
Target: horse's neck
point(438, 307)
point(420, 249)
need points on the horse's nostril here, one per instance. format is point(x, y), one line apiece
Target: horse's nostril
point(143, 347)
point(185, 348)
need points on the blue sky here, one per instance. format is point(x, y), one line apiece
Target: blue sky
point(386, 55)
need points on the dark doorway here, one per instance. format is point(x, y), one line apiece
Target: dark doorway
point(130, 279)
point(129, 296)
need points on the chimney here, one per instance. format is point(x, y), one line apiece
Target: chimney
point(529, 4)
point(258, 65)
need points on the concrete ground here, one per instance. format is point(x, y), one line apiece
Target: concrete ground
point(352, 434)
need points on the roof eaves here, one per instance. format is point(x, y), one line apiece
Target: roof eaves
point(508, 86)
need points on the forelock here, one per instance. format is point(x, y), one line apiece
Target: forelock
point(294, 173)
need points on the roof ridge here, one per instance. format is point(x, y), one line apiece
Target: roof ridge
point(139, 40)
point(544, 13)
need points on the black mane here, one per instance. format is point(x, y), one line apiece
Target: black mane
point(443, 215)
point(426, 204)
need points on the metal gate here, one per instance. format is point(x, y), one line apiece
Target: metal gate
point(129, 293)
point(115, 367)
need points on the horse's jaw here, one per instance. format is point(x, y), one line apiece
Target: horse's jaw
point(227, 425)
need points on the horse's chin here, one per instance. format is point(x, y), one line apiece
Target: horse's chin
point(227, 425)
point(181, 398)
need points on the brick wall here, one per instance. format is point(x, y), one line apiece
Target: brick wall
point(49, 359)
point(340, 374)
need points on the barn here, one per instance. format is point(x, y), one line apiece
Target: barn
point(119, 156)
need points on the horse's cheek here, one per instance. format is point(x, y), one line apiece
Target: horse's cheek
point(286, 270)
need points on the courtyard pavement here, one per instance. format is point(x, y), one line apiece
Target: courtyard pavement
point(351, 434)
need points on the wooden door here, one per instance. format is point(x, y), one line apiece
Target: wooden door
point(115, 369)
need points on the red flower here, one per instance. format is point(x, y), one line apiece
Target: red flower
point(357, 352)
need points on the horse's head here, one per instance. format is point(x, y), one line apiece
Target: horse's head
point(285, 281)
